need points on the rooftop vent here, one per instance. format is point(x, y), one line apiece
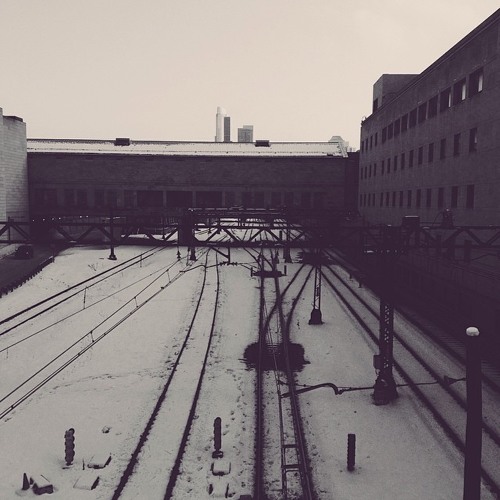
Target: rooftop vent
point(122, 141)
point(262, 143)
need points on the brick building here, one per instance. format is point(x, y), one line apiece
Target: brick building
point(84, 176)
point(431, 148)
point(431, 142)
point(13, 169)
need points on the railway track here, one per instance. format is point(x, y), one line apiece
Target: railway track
point(279, 432)
point(166, 432)
point(419, 360)
point(69, 335)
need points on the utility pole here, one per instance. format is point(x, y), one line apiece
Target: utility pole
point(390, 248)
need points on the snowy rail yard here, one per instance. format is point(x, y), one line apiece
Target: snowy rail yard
point(122, 356)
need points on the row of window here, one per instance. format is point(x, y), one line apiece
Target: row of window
point(420, 198)
point(416, 156)
point(441, 102)
point(112, 198)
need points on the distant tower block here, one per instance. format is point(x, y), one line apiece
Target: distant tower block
point(219, 124)
point(227, 129)
point(245, 134)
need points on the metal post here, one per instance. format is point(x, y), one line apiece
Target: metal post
point(384, 389)
point(473, 433)
point(286, 248)
point(316, 318)
point(112, 255)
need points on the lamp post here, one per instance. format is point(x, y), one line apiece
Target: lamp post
point(473, 432)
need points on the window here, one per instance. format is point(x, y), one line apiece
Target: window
point(412, 121)
point(430, 153)
point(476, 82)
point(397, 127)
point(381, 199)
point(384, 134)
point(428, 197)
point(371, 141)
point(395, 163)
point(409, 198)
point(459, 91)
point(382, 167)
point(376, 138)
point(393, 199)
point(404, 123)
point(388, 165)
point(370, 171)
point(111, 198)
point(374, 170)
point(445, 99)
point(420, 155)
point(440, 197)
point(46, 198)
point(69, 197)
point(401, 196)
point(403, 160)
point(456, 144)
point(418, 199)
point(81, 198)
point(469, 199)
point(128, 198)
point(442, 149)
point(432, 107)
point(390, 130)
point(99, 198)
point(454, 197)
point(410, 159)
point(230, 198)
point(472, 140)
point(289, 199)
point(387, 198)
point(422, 112)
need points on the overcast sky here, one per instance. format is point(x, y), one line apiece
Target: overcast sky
point(297, 70)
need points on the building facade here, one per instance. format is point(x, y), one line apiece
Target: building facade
point(245, 133)
point(13, 169)
point(89, 177)
point(431, 145)
point(220, 124)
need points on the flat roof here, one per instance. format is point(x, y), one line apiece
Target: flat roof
point(182, 148)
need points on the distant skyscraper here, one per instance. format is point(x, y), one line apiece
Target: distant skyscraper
point(219, 124)
point(227, 129)
point(245, 134)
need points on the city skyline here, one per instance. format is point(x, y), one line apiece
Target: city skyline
point(298, 73)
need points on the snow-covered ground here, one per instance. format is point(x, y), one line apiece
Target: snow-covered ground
point(108, 393)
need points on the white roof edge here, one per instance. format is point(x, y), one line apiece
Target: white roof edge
point(187, 148)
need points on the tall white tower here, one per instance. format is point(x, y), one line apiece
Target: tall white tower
point(219, 124)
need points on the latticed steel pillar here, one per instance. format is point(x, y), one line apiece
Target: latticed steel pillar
point(384, 389)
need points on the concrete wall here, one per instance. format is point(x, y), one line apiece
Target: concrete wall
point(13, 169)
point(480, 168)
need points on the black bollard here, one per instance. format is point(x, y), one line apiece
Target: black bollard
point(351, 451)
